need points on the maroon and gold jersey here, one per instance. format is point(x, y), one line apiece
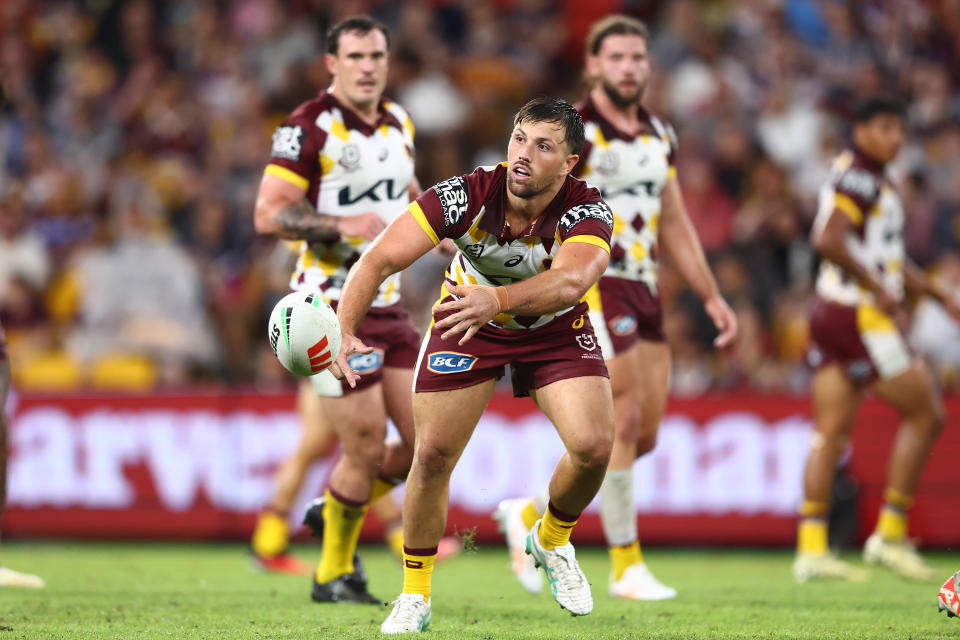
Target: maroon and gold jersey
point(630, 171)
point(347, 167)
point(471, 210)
point(859, 188)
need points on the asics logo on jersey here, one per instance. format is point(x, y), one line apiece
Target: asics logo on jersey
point(450, 362)
point(366, 362)
point(596, 210)
point(513, 261)
point(390, 191)
point(287, 142)
point(453, 198)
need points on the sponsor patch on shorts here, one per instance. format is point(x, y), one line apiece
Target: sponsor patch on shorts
point(366, 362)
point(450, 362)
point(623, 325)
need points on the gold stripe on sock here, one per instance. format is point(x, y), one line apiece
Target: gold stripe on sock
point(418, 572)
point(623, 556)
point(530, 515)
point(341, 530)
point(896, 499)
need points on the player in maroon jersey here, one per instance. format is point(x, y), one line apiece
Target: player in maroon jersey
point(531, 240)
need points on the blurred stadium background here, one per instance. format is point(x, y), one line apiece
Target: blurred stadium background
point(135, 293)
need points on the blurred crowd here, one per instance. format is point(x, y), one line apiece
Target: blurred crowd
point(133, 135)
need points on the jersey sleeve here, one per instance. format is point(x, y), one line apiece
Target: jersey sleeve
point(442, 209)
point(669, 135)
point(295, 151)
point(587, 222)
point(855, 193)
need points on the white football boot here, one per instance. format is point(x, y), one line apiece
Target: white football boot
point(900, 556)
point(567, 581)
point(638, 583)
point(509, 516)
point(817, 566)
point(11, 578)
point(411, 614)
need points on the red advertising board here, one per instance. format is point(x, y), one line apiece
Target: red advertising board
point(727, 468)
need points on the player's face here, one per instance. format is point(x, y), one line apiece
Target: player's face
point(621, 68)
point(537, 158)
point(880, 137)
point(360, 66)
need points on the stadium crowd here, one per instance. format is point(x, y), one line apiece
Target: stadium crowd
point(133, 135)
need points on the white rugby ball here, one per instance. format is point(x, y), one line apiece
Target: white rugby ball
point(304, 333)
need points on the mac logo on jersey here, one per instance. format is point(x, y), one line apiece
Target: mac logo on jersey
point(452, 194)
point(450, 362)
point(364, 363)
point(287, 143)
point(596, 210)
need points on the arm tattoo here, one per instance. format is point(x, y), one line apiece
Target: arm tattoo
point(302, 221)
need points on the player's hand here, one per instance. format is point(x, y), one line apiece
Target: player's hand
point(724, 319)
point(476, 307)
point(366, 225)
point(349, 345)
point(445, 248)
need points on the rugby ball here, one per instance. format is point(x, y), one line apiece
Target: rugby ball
point(304, 333)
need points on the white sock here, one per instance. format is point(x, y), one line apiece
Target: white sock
point(617, 511)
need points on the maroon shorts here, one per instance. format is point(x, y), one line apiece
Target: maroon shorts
point(627, 312)
point(862, 340)
point(564, 348)
point(395, 344)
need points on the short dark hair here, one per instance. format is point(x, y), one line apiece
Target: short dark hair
point(363, 24)
point(873, 106)
point(555, 110)
point(616, 24)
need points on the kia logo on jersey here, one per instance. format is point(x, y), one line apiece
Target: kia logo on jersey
point(450, 362)
point(364, 363)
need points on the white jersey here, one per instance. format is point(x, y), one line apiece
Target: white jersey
point(348, 167)
point(631, 172)
point(860, 189)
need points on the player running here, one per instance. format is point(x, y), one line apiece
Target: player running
point(340, 168)
point(531, 240)
point(8, 577)
point(856, 329)
point(629, 155)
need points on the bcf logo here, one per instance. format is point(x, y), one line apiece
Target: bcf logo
point(450, 362)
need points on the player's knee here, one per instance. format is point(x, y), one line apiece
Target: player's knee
point(433, 459)
point(934, 419)
point(646, 442)
point(593, 451)
point(629, 422)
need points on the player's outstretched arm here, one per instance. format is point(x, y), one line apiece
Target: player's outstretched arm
point(575, 269)
point(680, 240)
point(394, 250)
point(282, 210)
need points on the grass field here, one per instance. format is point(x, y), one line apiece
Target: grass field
point(208, 591)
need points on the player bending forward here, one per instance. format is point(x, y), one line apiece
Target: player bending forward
point(531, 241)
point(856, 329)
point(628, 156)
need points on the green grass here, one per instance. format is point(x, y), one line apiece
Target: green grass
point(208, 591)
